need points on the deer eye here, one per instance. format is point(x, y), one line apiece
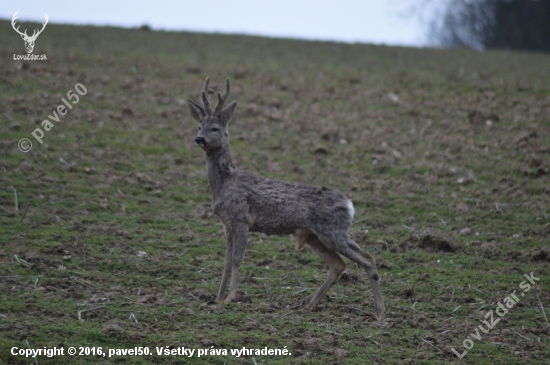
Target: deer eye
point(215, 129)
point(199, 127)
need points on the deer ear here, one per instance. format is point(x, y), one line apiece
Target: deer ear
point(196, 111)
point(227, 113)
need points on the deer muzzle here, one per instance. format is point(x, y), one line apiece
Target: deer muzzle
point(200, 141)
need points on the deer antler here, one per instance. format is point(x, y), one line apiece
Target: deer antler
point(17, 29)
point(222, 99)
point(205, 101)
point(37, 32)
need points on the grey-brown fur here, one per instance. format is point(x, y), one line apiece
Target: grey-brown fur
point(318, 216)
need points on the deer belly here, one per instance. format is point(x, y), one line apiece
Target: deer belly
point(270, 226)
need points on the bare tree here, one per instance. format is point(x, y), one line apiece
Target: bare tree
point(482, 24)
point(521, 24)
point(463, 24)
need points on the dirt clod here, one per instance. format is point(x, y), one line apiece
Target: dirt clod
point(243, 297)
point(186, 311)
point(340, 353)
point(148, 299)
point(435, 240)
point(207, 342)
point(395, 248)
point(112, 328)
point(542, 254)
point(465, 231)
point(408, 293)
point(378, 200)
point(479, 116)
point(350, 276)
point(311, 344)
point(382, 264)
point(489, 249)
point(462, 208)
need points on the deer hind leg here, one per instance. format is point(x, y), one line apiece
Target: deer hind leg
point(343, 244)
point(332, 259)
point(367, 261)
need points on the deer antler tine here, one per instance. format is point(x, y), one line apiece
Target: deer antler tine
point(43, 26)
point(205, 101)
point(219, 106)
point(206, 88)
point(13, 19)
point(207, 107)
point(226, 90)
point(222, 99)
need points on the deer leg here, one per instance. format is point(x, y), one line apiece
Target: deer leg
point(353, 252)
point(240, 236)
point(344, 245)
point(332, 259)
point(227, 265)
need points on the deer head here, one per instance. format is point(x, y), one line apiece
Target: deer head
point(29, 40)
point(213, 123)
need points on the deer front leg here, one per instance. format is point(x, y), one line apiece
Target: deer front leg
point(240, 236)
point(227, 265)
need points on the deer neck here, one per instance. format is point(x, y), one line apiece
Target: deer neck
point(219, 166)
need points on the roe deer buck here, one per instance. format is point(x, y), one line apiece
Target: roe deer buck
point(318, 216)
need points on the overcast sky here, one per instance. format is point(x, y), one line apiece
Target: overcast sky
point(369, 21)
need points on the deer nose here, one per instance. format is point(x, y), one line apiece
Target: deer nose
point(200, 140)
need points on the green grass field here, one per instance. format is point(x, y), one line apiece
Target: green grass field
point(445, 154)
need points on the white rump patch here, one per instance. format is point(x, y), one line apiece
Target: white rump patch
point(351, 210)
